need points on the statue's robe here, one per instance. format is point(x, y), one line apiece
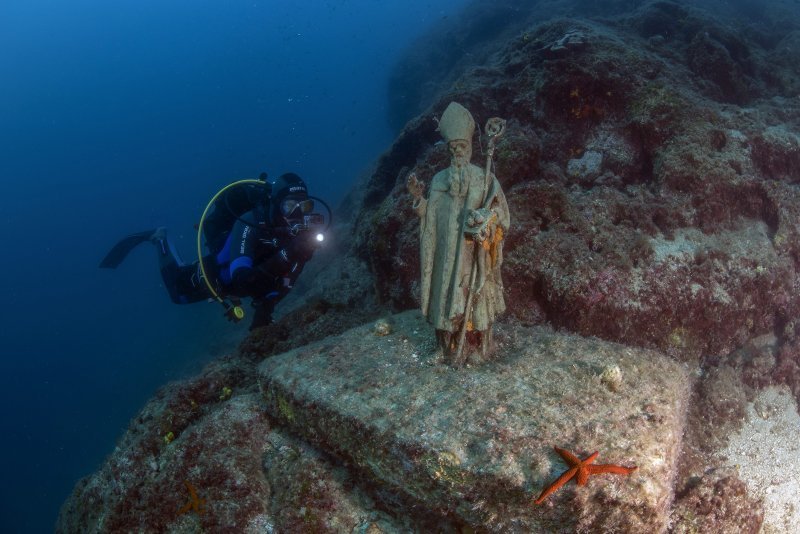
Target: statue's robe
point(447, 256)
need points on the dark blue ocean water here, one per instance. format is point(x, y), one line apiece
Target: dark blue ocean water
point(120, 116)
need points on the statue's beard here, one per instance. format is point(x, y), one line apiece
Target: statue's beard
point(459, 161)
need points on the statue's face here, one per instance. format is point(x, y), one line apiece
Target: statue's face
point(460, 152)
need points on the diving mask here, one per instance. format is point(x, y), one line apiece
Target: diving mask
point(289, 205)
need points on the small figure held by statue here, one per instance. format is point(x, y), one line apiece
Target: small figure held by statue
point(462, 224)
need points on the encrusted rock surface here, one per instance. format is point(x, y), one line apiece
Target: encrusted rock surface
point(476, 444)
point(644, 210)
point(250, 476)
point(736, 50)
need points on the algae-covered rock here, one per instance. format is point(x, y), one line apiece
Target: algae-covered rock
point(627, 135)
point(477, 444)
point(226, 459)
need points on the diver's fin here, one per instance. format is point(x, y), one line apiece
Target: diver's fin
point(121, 249)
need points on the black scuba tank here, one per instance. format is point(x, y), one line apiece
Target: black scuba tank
point(230, 206)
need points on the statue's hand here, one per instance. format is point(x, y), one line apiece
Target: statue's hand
point(479, 224)
point(415, 187)
point(476, 217)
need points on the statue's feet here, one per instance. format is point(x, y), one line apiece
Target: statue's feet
point(444, 351)
point(475, 358)
point(438, 356)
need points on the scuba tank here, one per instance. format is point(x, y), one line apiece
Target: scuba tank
point(229, 204)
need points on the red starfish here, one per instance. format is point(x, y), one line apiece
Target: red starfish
point(582, 468)
point(195, 503)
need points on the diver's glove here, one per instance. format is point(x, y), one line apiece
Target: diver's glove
point(263, 313)
point(284, 261)
point(276, 266)
point(301, 248)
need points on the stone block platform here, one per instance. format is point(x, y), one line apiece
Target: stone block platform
point(476, 444)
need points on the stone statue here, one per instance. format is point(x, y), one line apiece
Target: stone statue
point(462, 223)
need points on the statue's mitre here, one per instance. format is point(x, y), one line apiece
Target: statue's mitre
point(456, 123)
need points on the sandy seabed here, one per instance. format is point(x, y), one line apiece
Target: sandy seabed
point(766, 453)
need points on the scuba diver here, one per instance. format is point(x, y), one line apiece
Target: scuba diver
point(259, 236)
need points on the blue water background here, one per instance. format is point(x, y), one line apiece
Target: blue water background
point(120, 116)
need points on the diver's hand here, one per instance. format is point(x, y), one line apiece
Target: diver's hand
point(414, 186)
point(301, 248)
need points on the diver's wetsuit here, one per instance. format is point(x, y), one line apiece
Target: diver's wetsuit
point(256, 260)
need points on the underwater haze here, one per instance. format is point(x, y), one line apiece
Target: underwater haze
point(116, 117)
